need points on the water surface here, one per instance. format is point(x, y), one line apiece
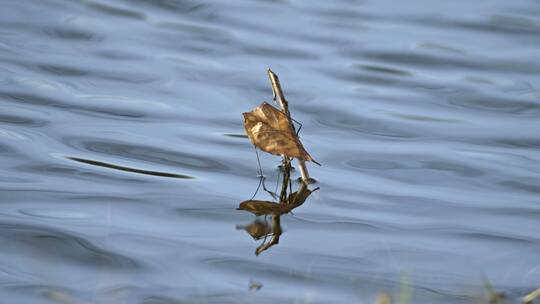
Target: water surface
point(123, 158)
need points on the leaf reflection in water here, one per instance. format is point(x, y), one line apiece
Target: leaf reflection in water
point(288, 200)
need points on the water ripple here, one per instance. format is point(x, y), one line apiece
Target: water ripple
point(146, 153)
point(113, 10)
point(56, 244)
point(123, 152)
point(92, 105)
point(128, 169)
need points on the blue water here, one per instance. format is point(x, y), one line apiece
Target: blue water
point(123, 159)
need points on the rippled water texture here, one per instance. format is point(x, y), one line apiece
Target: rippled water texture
point(123, 158)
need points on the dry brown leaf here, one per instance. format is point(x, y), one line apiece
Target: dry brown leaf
point(294, 200)
point(269, 130)
point(257, 229)
point(384, 298)
point(262, 207)
point(297, 198)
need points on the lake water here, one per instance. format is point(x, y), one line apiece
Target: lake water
point(123, 156)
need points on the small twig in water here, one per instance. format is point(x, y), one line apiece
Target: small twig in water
point(276, 89)
point(528, 299)
point(272, 194)
point(262, 179)
point(299, 126)
point(258, 187)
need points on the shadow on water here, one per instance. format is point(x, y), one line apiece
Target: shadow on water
point(287, 201)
